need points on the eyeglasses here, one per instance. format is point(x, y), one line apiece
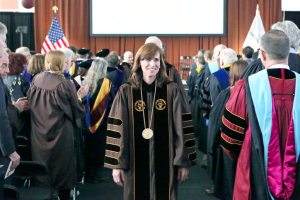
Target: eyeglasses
point(4, 65)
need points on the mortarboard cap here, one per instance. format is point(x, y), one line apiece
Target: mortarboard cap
point(83, 51)
point(102, 53)
point(86, 64)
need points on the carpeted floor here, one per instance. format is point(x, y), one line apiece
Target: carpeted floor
point(193, 189)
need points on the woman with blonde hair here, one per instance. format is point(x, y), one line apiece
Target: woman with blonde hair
point(57, 109)
point(36, 64)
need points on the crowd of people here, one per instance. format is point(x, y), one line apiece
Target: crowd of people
point(247, 129)
point(83, 112)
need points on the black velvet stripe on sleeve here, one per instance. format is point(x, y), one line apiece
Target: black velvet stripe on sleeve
point(188, 130)
point(113, 134)
point(206, 92)
point(234, 119)
point(232, 134)
point(111, 161)
point(114, 121)
point(230, 147)
point(112, 147)
point(206, 101)
point(190, 143)
point(187, 117)
point(192, 156)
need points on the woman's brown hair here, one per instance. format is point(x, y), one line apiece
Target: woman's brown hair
point(36, 64)
point(147, 51)
point(17, 62)
point(236, 70)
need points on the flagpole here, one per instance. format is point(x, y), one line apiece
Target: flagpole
point(55, 38)
point(55, 9)
point(255, 32)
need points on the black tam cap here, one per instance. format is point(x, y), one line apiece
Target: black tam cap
point(102, 53)
point(86, 64)
point(83, 51)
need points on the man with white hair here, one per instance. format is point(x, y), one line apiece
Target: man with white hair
point(25, 51)
point(128, 57)
point(69, 54)
point(216, 57)
point(3, 32)
point(126, 64)
point(7, 146)
point(218, 80)
point(214, 84)
point(212, 67)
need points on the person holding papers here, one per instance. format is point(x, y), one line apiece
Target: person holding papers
point(7, 146)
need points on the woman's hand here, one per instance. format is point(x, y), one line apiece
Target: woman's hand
point(118, 176)
point(83, 91)
point(22, 104)
point(15, 158)
point(183, 174)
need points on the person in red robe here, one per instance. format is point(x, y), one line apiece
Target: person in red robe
point(260, 126)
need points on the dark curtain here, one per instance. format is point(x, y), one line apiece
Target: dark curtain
point(13, 20)
point(293, 16)
point(74, 18)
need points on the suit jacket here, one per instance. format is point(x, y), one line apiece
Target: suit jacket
point(7, 145)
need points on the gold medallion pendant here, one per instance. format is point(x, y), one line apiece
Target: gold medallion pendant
point(147, 133)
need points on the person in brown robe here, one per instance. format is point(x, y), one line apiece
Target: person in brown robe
point(55, 110)
point(150, 143)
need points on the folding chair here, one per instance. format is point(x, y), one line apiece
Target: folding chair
point(27, 170)
point(10, 192)
point(23, 147)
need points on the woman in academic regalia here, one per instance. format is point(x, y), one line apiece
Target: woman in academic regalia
point(146, 146)
point(221, 168)
point(98, 104)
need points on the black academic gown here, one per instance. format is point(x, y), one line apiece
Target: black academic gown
point(256, 65)
point(195, 82)
point(220, 167)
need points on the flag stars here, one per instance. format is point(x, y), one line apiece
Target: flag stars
point(55, 33)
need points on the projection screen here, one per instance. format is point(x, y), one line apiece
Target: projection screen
point(158, 17)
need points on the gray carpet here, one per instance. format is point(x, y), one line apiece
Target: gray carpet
point(193, 189)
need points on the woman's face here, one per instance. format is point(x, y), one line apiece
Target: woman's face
point(151, 67)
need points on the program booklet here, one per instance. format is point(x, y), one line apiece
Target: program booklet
point(5, 164)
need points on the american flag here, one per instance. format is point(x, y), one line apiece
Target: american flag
point(55, 39)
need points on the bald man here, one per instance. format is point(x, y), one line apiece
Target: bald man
point(127, 64)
